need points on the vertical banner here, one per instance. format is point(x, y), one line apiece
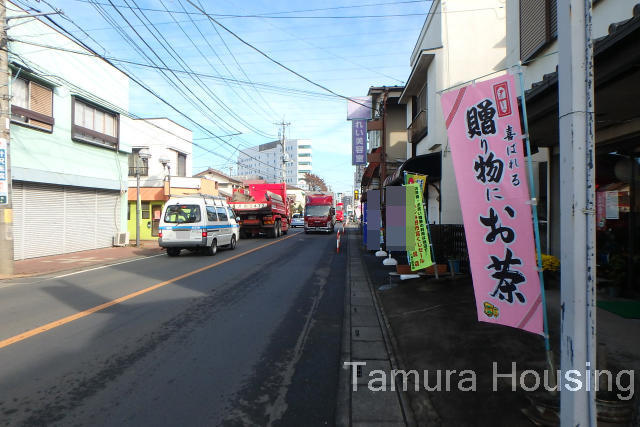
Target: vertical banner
point(358, 142)
point(418, 246)
point(374, 220)
point(483, 125)
point(415, 178)
point(4, 178)
point(396, 206)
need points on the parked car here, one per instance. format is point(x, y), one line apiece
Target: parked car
point(197, 222)
point(297, 220)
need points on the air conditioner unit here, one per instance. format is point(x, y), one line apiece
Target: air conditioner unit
point(121, 239)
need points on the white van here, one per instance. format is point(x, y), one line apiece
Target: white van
point(197, 222)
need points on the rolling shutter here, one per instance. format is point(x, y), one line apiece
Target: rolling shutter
point(39, 220)
point(54, 219)
point(41, 101)
point(538, 25)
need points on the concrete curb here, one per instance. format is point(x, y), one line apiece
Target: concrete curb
point(365, 340)
point(343, 405)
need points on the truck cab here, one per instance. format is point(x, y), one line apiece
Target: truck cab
point(319, 213)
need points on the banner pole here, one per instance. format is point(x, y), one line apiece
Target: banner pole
point(534, 211)
point(433, 254)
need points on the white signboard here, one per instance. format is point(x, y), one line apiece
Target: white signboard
point(611, 203)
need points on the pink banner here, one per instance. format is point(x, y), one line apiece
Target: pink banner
point(483, 125)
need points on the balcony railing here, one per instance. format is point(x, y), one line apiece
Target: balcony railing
point(418, 128)
point(142, 170)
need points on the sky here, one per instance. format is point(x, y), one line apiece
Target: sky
point(225, 73)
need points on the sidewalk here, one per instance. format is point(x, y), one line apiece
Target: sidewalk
point(83, 259)
point(367, 344)
point(435, 327)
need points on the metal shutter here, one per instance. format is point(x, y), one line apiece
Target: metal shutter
point(108, 218)
point(41, 102)
point(39, 220)
point(80, 218)
point(533, 26)
point(53, 219)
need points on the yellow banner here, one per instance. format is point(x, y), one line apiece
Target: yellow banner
point(418, 247)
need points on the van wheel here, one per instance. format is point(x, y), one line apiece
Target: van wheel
point(232, 245)
point(213, 249)
point(173, 251)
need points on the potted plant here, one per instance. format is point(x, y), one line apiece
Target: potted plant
point(550, 269)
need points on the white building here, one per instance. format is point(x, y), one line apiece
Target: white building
point(461, 40)
point(265, 160)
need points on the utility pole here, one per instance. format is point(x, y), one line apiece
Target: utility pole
point(6, 211)
point(577, 210)
point(284, 150)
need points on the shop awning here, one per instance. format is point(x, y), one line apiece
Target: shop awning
point(370, 171)
point(427, 164)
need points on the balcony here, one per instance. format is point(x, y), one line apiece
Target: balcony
point(418, 128)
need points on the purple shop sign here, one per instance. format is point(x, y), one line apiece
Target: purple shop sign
point(359, 107)
point(358, 142)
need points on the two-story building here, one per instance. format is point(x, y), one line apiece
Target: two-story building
point(460, 41)
point(162, 157)
point(68, 154)
point(532, 38)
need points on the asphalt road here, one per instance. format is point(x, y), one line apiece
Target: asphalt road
point(195, 341)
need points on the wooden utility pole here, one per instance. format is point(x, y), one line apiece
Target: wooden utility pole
point(6, 212)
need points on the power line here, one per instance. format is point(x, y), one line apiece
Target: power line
point(265, 86)
point(275, 14)
point(270, 58)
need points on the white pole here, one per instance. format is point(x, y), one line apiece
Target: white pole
point(577, 211)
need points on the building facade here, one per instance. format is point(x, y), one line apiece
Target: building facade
point(460, 41)
point(265, 160)
point(532, 39)
point(68, 154)
point(164, 169)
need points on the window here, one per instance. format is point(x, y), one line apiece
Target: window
point(301, 147)
point(304, 163)
point(222, 213)
point(211, 213)
point(94, 125)
point(182, 214)
point(538, 26)
point(32, 104)
point(182, 165)
point(304, 155)
point(144, 210)
point(138, 164)
point(231, 213)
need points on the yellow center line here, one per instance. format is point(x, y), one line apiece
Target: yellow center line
point(56, 323)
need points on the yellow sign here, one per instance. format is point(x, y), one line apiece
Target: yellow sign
point(417, 238)
point(355, 195)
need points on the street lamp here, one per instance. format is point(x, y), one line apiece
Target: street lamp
point(166, 164)
point(143, 155)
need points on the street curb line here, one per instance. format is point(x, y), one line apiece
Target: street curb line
point(397, 362)
point(84, 313)
point(343, 405)
point(391, 345)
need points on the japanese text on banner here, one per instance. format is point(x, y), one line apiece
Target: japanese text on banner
point(483, 125)
point(418, 245)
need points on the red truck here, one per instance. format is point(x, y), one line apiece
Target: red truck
point(340, 212)
point(262, 208)
point(319, 213)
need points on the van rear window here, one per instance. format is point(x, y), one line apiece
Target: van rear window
point(182, 214)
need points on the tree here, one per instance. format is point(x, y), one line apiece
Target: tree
point(314, 182)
